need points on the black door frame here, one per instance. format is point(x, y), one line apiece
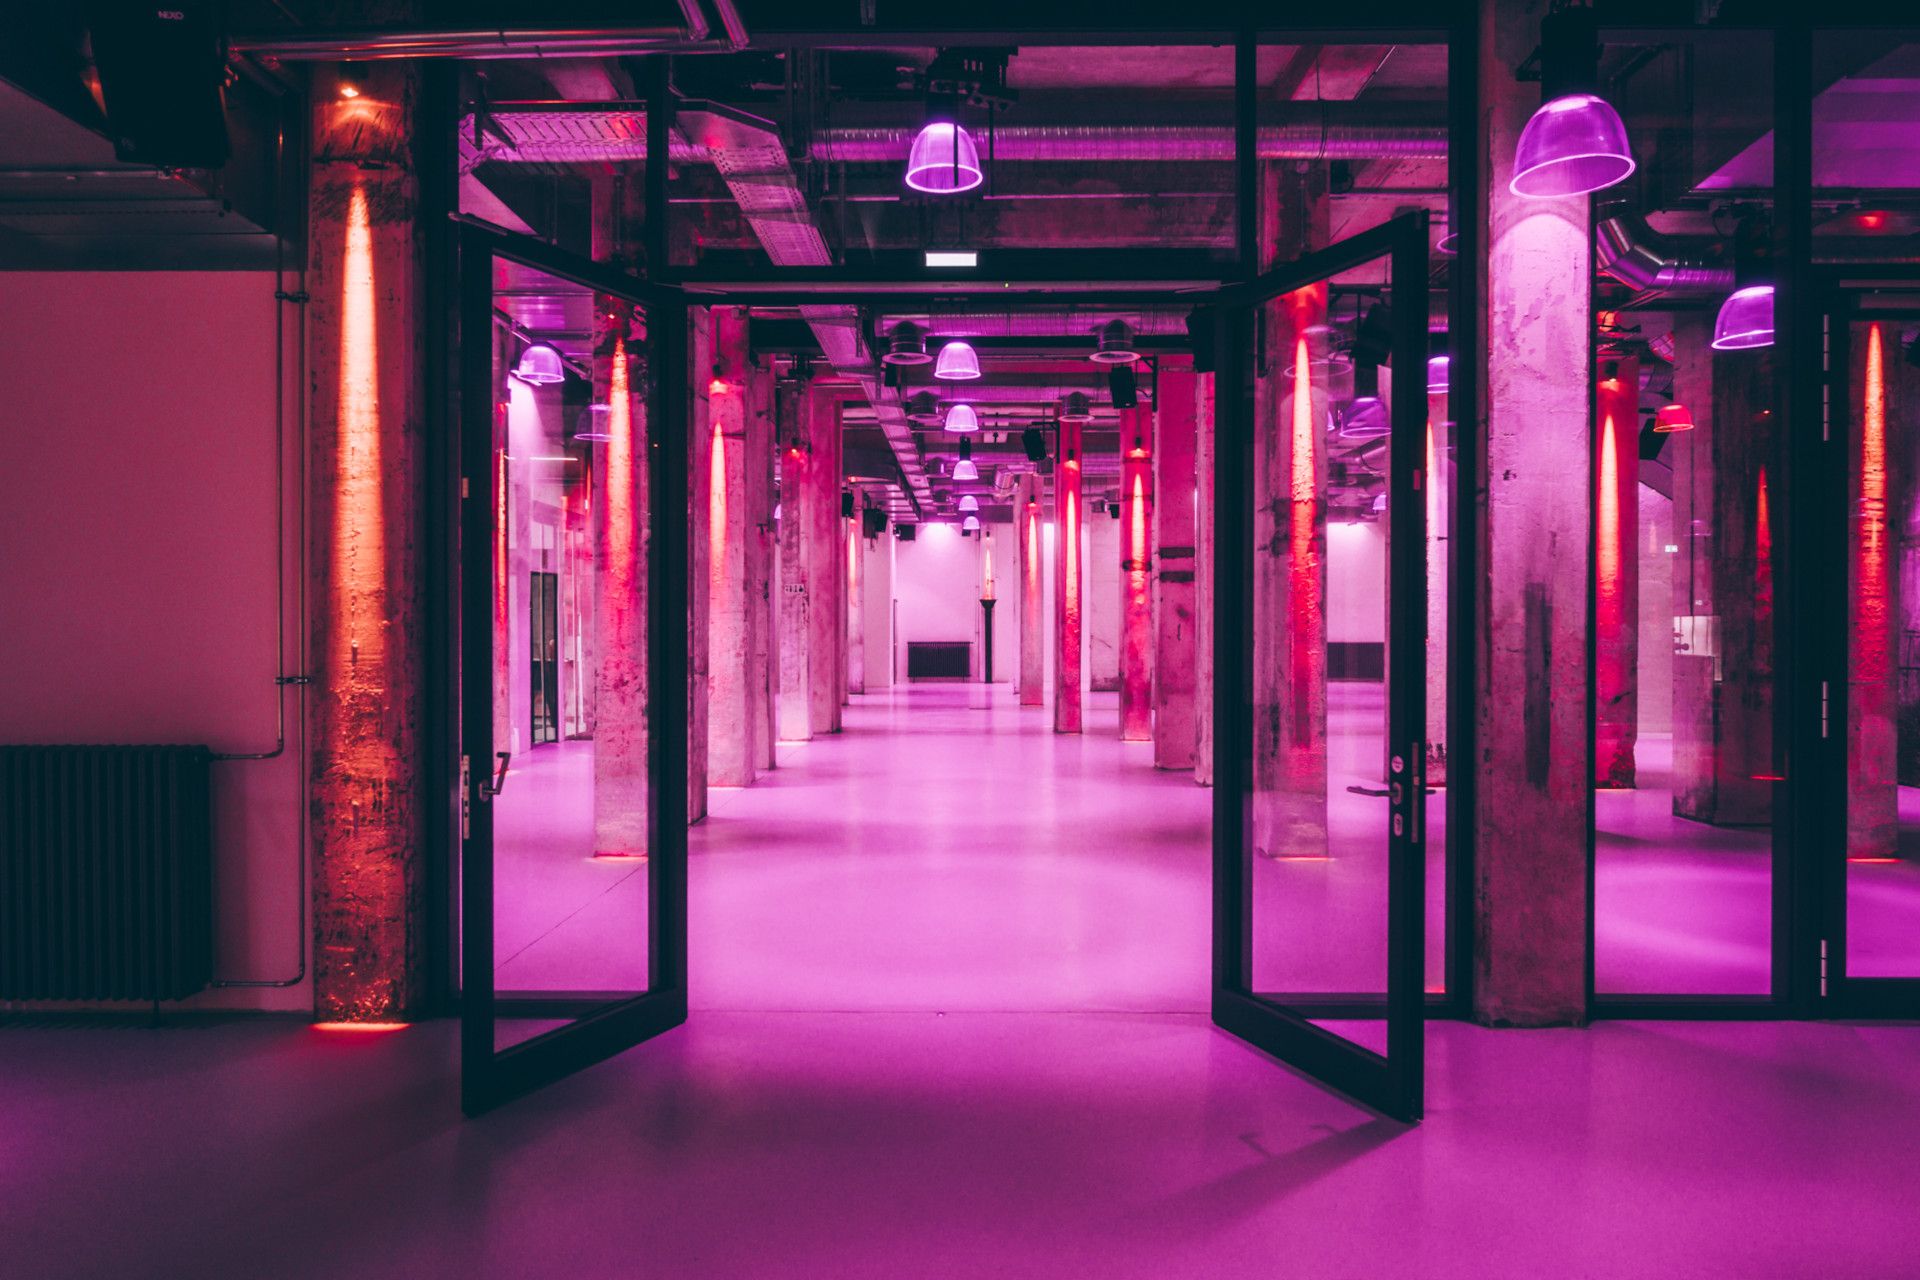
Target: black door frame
point(489, 1077)
point(1392, 1083)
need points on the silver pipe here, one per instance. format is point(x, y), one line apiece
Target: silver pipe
point(475, 43)
point(1630, 251)
point(1309, 139)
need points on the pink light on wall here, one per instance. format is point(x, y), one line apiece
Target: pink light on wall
point(1304, 568)
point(717, 511)
point(1872, 730)
point(623, 597)
point(1616, 575)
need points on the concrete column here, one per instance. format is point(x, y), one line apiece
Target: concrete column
point(1289, 802)
point(1874, 618)
point(1069, 581)
point(795, 628)
point(621, 535)
point(1616, 572)
point(1530, 855)
point(699, 555)
point(1203, 584)
point(826, 564)
point(367, 404)
point(758, 467)
point(1173, 550)
point(1723, 592)
point(1136, 574)
point(1031, 545)
point(733, 691)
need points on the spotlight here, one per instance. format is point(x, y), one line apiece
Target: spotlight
point(1115, 344)
point(1121, 386)
point(1034, 441)
point(846, 506)
point(1201, 335)
point(906, 344)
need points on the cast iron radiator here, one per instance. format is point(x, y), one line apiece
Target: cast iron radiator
point(106, 873)
point(939, 659)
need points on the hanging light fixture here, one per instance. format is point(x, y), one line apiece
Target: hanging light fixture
point(592, 425)
point(964, 470)
point(943, 160)
point(1745, 320)
point(1115, 344)
point(1672, 417)
point(1075, 407)
point(1575, 142)
point(1366, 416)
point(1437, 367)
point(957, 363)
point(924, 407)
point(968, 504)
point(540, 366)
point(970, 524)
point(906, 344)
point(961, 419)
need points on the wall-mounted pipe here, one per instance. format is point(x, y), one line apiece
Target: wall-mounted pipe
point(1630, 251)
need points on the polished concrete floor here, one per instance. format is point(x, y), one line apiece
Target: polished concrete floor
point(948, 990)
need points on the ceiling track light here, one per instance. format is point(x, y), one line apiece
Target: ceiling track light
point(1576, 142)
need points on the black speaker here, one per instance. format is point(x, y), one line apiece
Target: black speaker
point(1034, 441)
point(905, 532)
point(846, 506)
point(1200, 334)
point(162, 69)
point(1122, 387)
point(873, 522)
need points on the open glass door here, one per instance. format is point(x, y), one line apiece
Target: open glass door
point(1320, 664)
point(573, 876)
point(1870, 874)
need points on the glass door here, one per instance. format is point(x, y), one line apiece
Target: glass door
point(1320, 664)
point(574, 848)
point(1870, 957)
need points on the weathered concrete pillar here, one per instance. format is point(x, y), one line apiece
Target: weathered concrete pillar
point(1616, 572)
point(795, 641)
point(699, 554)
point(1874, 617)
point(1530, 854)
point(1136, 574)
point(1030, 545)
point(760, 462)
point(622, 536)
point(1173, 536)
point(1203, 584)
point(1289, 802)
point(734, 688)
point(1723, 593)
point(1069, 581)
point(364, 266)
point(826, 564)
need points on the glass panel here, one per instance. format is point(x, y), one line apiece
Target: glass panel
point(1866, 215)
point(808, 157)
point(1687, 474)
point(570, 651)
point(1319, 813)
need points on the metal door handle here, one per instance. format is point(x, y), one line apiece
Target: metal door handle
point(499, 775)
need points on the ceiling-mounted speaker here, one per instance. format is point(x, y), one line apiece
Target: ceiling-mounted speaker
point(905, 532)
point(1122, 387)
point(873, 522)
point(1200, 336)
point(162, 71)
point(1034, 441)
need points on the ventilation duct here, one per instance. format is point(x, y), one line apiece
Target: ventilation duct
point(1630, 251)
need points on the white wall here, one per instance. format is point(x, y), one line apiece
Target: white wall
point(137, 511)
point(1356, 581)
point(876, 607)
point(1653, 680)
point(936, 582)
point(1102, 639)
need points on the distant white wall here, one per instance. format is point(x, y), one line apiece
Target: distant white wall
point(1356, 582)
point(876, 608)
point(1103, 599)
point(937, 582)
point(1654, 679)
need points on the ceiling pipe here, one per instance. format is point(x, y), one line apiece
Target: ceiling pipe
point(1325, 138)
point(1630, 251)
point(695, 35)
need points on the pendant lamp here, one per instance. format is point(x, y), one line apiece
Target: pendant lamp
point(943, 160)
point(1437, 374)
point(964, 470)
point(970, 524)
point(540, 365)
point(1075, 407)
point(1745, 320)
point(1115, 344)
point(1672, 417)
point(969, 504)
point(957, 363)
point(961, 419)
point(1576, 142)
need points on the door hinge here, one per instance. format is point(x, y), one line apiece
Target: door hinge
point(1823, 968)
point(1823, 708)
point(466, 795)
